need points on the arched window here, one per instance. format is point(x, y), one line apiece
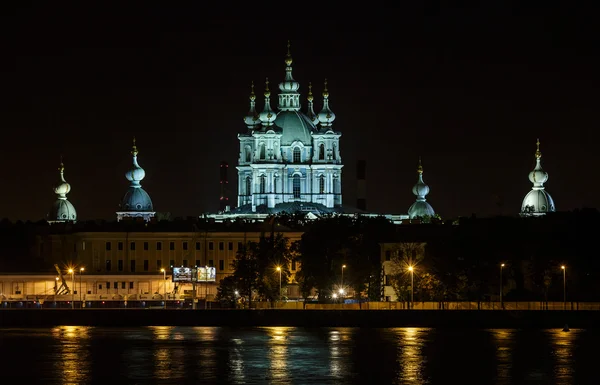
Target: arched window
point(263, 152)
point(322, 184)
point(263, 184)
point(321, 151)
point(296, 186)
point(248, 154)
point(297, 158)
point(333, 152)
point(248, 186)
point(275, 183)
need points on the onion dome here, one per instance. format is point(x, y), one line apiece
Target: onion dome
point(251, 119)
point(136, 198)
point(62, 210)
point(537, 201)
point(267, 116)
point(289, 85)
point(311, 112)
point(420, 208)
point(326, 116)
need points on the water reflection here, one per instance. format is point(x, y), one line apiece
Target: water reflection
point(503, 341)
point(278, 352)
point(298, 355)
point(73, 365)
point(409, 355)
point(561, 344)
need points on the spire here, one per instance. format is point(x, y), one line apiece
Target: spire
point(326, 116)
point(538, 176)
point(136, 174)
point(420, 189)
point(62, 210)
point(134, 150)
point(251, 119)
point(537, 201)
point(63, 188)
point(311, 112)
point(267, 116)
point(289, 98)
point(420, 208)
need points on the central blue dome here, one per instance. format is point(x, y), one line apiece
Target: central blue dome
point(136, 199)
point(295, 126)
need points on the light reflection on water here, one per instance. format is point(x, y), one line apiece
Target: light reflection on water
point(286, 355)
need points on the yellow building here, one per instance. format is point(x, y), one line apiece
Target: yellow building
point(144, 252)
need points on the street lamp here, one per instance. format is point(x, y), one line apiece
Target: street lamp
point(501, 286)
point(80, 274)
point(564, 269)
point(343, 267)
point(164, 287)
point(72, 272)
point(411, 269)
point(279, 270)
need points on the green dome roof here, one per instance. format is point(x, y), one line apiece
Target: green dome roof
point(295, 126)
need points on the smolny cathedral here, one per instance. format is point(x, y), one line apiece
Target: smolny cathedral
point(289, 161)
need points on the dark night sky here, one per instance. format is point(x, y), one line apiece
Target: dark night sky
point(468, 89)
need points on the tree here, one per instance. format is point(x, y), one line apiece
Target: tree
point(226, 292)
point(405, 255)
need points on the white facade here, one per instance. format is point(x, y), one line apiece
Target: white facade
point(289, 156)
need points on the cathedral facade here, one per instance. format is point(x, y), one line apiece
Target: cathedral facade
point(289, 160)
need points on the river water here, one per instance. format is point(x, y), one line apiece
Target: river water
point(289, 355)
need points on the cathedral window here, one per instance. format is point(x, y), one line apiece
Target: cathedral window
point(248, 154)
point(322, 184)
point(263, 152)
point(321, 151)
point(248, 186)
point(263, 183)
point(297, 155)
point(333, 152)
point(275, 183)
point(296, 186)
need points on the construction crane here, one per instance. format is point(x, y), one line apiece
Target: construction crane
point(64, 288)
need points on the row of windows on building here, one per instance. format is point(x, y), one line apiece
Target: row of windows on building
point(262, 189)
point(146, 265)
point(296, 153)
point(184, 246)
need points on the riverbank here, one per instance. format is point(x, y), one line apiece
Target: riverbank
point(11, 318)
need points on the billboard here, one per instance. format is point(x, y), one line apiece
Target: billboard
point(183, 274)
point(207, 274)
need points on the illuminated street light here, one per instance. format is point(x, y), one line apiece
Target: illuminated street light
point(341, 290)
point(164, 286)
point(279, 270)
point(80, 274)
point(564, 269)
point(410, 268)
point(72, 272)
point(501, 287)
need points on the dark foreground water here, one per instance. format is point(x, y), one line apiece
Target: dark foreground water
point(281, 355)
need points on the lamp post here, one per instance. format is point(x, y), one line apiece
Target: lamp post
point(342, 287)
point(80, 294)
point(411, 269)
point(72, 272)
point(564, 269)
point(279, 270)
point(164, 287)
point(501, 286)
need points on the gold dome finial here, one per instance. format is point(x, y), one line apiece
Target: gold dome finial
point(538, 153)
point(288, 57)
point(252, 95)
point(61, 167)
point(420, 167)
point(134, 150)
point(325, 91)
point(267, 92)
point(310, 94)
